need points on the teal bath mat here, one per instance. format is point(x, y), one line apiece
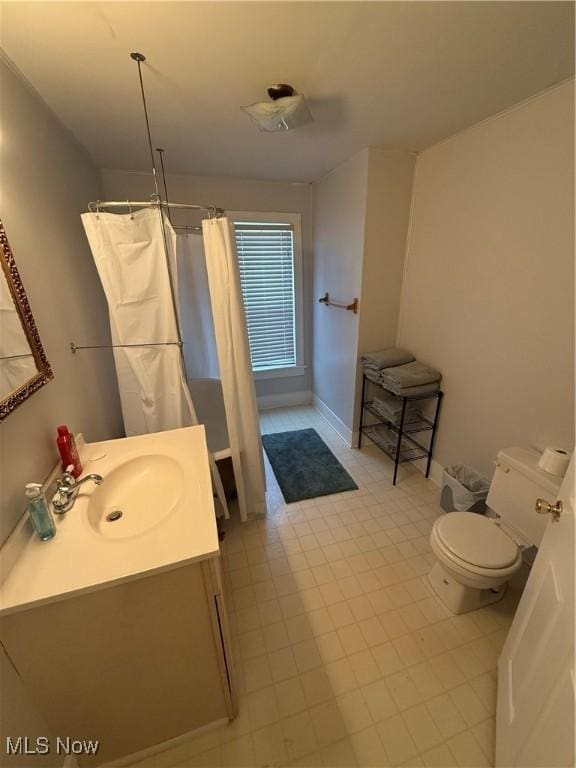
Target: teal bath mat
point(304, 465)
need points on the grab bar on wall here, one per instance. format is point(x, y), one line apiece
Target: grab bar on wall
point(353, 307)
point(74, 347)
point(188, 228)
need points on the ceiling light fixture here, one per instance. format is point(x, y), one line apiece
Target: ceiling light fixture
point(286, 110)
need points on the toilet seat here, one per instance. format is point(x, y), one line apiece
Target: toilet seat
point(473, 545)
point(476, 540)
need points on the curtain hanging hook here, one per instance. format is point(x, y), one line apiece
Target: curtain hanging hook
point(98, 209)
point(130, 209)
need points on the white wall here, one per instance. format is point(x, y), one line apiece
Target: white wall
point(390, 177)
point(339, 226)
point(47, 179)
point(489, 286)
point(236, 195)
point(361, 213)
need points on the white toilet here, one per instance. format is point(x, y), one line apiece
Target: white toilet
point(478, 554)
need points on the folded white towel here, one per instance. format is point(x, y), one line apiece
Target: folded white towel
point(391, 410)
point(423, 389)
point(386, 358)
point(413, 374)
point(385, 439)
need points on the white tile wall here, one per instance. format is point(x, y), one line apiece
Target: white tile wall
point(343, 655)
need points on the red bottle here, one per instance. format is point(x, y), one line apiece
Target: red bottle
point(68, 451)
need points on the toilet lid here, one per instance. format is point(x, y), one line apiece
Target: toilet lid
point(475, 540)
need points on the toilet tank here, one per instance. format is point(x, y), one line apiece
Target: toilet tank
point(518, 481)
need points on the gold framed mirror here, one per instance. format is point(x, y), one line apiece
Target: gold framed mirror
point(24, 367)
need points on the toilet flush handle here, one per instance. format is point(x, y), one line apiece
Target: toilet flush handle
point(544, 507)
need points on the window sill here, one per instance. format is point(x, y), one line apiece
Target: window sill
point(281, 373)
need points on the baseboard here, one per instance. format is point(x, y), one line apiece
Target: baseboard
point(335, 422)
point(163, 746)
point(436, 470)
point(284, 400)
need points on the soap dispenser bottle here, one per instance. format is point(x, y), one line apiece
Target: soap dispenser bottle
point(40, 515)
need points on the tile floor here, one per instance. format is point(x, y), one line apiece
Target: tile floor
point(343, 656)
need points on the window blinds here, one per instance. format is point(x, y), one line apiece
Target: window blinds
point(266, 261)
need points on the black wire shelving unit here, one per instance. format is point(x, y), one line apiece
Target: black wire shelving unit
point(405, 446)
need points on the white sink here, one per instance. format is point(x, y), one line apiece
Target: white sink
point(160, 483)
point(136, 496)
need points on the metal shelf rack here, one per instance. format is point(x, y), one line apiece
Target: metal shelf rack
point(406, 447)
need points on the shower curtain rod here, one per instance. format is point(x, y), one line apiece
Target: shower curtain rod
point(75, 347)
point(155, 199)
point(96, 205)
point(182, 227)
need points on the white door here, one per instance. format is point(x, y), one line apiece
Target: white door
point(535, 713)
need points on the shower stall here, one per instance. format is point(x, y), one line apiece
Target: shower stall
point(178, 327)
point(179, 337)
point(199, 341)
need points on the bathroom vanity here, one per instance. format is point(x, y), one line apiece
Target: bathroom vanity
point(118, 625)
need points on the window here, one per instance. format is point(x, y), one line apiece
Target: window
point(269, 258)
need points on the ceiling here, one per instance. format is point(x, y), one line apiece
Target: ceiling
point(396, 74)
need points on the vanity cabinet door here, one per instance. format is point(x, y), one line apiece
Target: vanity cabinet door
point(132, 665)
point(221, 628)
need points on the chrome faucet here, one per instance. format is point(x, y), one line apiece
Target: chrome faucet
point(68, 488)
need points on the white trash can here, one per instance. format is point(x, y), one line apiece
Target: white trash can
point(463, 490)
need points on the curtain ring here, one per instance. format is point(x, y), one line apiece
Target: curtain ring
point(130, 209)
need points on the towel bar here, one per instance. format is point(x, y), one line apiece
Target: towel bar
point(353, 307)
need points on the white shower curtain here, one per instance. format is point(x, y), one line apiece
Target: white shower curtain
point(130, 258)
point(196, 321)
point(235, 367)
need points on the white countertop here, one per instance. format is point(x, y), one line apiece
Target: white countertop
point(80, 559)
